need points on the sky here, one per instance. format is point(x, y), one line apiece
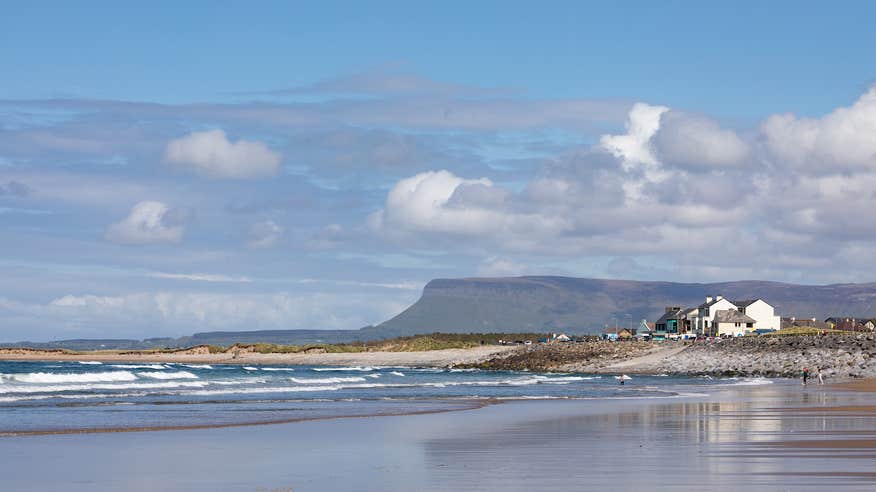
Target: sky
point(171, 168)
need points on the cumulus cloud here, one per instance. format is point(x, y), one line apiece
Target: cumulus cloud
point(618, 197)
point(842, 140)
point(634, 148)
point(421, 203)
point(210, 153)
point(148, 222)
point(697, 142)
point(264, 234)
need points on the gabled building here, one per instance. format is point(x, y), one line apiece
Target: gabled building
point(732, 322)
point(675, 321)
point(763, 314)
point(705, 318)
point(754, 314)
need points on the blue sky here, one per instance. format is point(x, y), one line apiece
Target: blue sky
point(166, 169)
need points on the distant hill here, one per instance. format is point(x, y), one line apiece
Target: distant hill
point(535, 304)
point(582, 305)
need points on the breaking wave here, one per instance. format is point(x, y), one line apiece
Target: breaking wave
point(50, 377)
point(168, 375)
point(4, 389)
point(327, 380)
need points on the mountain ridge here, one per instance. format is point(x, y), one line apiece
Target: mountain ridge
point(534, 304)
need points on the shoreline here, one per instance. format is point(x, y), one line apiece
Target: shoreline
point(426, 358)
point(840, 358)
point(757, 443)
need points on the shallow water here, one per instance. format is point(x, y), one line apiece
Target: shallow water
point(75, 396)
point(727, 438)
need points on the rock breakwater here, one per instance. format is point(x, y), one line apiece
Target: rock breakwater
point(838, 356)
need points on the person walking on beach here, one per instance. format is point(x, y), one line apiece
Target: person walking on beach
point(819, 374)
point(805, 375)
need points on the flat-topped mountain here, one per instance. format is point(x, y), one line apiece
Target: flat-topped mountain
point(582, 305)
point(537, 304)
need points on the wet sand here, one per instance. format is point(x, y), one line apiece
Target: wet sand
point(772, 437)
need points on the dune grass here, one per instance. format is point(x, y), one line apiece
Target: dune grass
point(803, 331)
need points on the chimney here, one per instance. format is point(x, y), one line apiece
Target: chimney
point(708, 299)
point(718, 298)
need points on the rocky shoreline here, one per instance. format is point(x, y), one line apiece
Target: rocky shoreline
point(840, 357)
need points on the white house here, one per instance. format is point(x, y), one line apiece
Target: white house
point(730, 322)
point(764, 315)
point(705, 316)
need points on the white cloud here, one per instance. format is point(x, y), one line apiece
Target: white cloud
point(841, 140)
point(634, 148)
point(198, 277)
point(499, 266)
point(697, 142)
point(148, 222)
point(264, 234)
point(421, 203)
point(211, 153)
point(165, 313)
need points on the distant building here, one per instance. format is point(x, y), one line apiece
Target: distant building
point(753, 314)
point(705, 318)
point(675, 321)
point(619, 333)
point(794, 322)
point(851, 324)
point(731, 322)
point(764, 314)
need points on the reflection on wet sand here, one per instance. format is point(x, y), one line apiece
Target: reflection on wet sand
point(774, 436)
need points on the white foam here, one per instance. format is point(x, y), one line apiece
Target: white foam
point(198, 366)
point(249, 368)
point(139, 366)
point(167, 375)
point(51, 377)
point(90, 362)
point(357, 368)
point(276, 369)
point(396, 373)
point(5, 389)
point(327, 380)
point(270, 389)
point(752, 382)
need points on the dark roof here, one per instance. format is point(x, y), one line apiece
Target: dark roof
point(713, 301)
point(672, 314)
point(732, 316)
point(744, 303)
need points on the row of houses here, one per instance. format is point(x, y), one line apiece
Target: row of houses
point(832, 323)
point(718, 316)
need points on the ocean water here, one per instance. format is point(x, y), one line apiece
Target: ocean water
point(56, 396)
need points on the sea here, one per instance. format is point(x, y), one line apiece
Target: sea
point(87, 396)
